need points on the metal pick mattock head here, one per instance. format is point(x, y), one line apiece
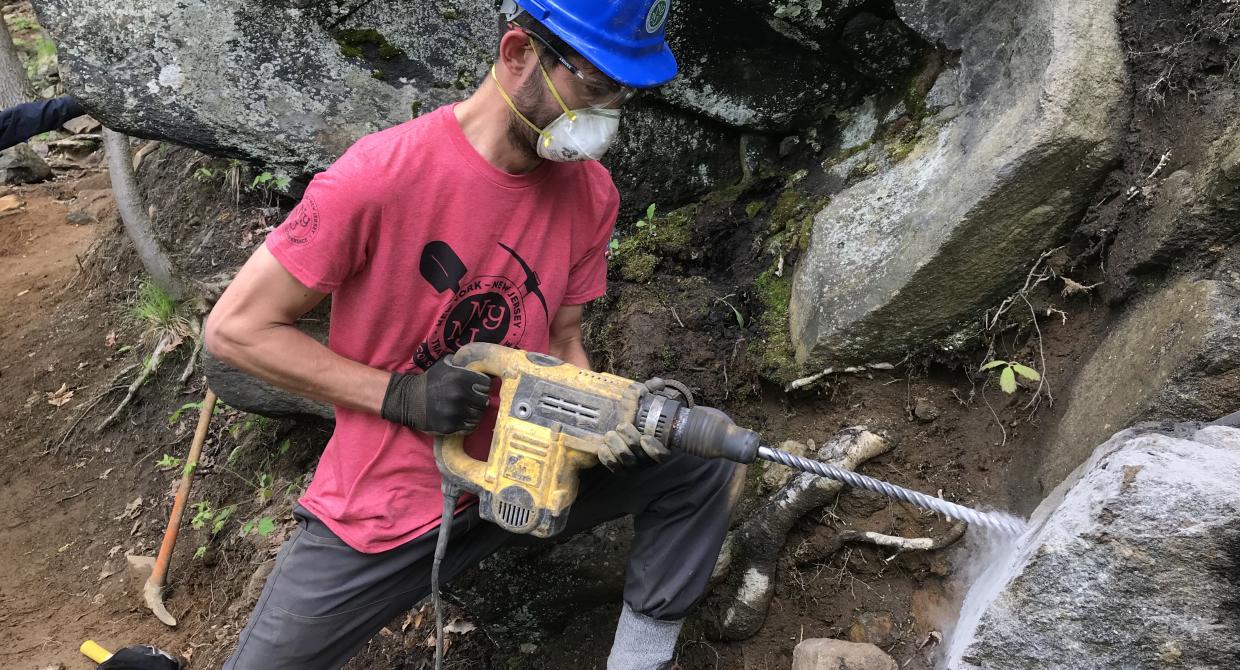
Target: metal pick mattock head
point(999, 522)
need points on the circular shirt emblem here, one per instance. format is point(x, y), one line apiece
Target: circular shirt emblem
point(303, 223)
point(486, 309)
point(657, 15)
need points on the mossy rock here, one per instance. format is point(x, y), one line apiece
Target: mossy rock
point(637, 255)
point(637, 267)
point(772, 353)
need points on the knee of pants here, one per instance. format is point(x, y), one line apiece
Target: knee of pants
point(716, 475)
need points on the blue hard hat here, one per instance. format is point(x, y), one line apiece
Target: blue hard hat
point(626, 39)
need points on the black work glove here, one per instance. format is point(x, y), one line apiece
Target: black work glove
point(626, 446)
point(444, 399)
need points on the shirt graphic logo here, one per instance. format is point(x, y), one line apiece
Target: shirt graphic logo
point(304, 222)
point(483, 309)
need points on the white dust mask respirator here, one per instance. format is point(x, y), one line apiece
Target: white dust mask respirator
point(575, 135)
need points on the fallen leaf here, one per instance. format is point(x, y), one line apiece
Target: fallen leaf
point(60, 396)
point(106, 473)
point(173, 343)
point(105, 573)
point(459, 626)
point(109, 340)
point(62, 549)
point(115, 550)
point(10, 202)
point(131, 510)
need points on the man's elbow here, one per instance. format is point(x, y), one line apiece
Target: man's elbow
point(221, 338)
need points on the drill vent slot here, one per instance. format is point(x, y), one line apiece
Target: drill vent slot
point(513, 516)
point(574, 412)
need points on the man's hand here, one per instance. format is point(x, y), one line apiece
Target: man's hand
point(622, 446)
point(444, 399)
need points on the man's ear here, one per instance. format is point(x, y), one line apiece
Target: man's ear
point(514, 54)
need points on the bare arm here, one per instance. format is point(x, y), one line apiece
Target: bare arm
point(565, 341)
point(251, 328)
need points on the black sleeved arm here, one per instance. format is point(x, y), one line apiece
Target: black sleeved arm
point(20, 123)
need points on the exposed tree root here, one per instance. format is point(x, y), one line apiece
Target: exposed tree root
point(134, 216)
point(820, 553)
point(195, 327)
point(751, 551)
point(151, 364)
point(108, 388)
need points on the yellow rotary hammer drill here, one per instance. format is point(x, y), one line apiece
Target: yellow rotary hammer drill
point(551, 422)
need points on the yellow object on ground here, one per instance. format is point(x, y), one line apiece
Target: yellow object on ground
point(94, 652)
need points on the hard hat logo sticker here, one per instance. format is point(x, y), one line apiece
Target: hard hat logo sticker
point(657, 15)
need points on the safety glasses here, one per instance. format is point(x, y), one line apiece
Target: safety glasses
point(600, 91)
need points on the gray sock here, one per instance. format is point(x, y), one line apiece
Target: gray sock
point(642, 643)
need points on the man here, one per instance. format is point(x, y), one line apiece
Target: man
point(482, 221)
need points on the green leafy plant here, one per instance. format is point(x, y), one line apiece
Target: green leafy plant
point(204, 174)
point(269, 180)
point(251, 422)
point(207, 516)
point(649, 218)
point(264, 526)
point(168, 462)
point(176, 414)
point(740, 320)
point(1007, 375)
point(266, 487)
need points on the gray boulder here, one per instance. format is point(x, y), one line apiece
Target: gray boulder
point(21, 165)
point(290, 84)
point(1174, 356)
point(1134, 565)
point(947, 223)
point(250, 394)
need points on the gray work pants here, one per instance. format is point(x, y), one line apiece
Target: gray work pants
point(324, 600)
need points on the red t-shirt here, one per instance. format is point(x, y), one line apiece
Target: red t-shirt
point(425, 246)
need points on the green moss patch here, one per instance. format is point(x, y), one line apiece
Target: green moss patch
point(353, 43)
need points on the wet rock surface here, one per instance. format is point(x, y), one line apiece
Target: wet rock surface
point(1134, 564)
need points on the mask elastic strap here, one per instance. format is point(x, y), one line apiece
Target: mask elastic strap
point(545, 135)
point(572, 116)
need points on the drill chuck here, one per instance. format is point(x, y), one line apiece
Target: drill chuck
point(709, 433)
point(702, 431)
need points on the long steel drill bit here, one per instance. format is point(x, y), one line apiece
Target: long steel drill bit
point(1000, 522)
